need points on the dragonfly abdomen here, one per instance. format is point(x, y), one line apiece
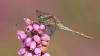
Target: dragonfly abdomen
point(73, 31)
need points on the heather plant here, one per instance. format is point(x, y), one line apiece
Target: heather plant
point(34, 39)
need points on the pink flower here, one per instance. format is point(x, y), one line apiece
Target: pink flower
point(27, 41)
point(32, 45)
point(36, 38)
point(29, 28)
point(35, 26)
point(45, 37)
point(27, 21)
point(28, 54)
point(22, 36)
point(37, 51)
point(20, 32)
point(42, 26)
point(22, 51)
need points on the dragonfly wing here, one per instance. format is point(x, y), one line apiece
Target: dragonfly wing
point(39, 13)
point(51, 30)
point(19, 26)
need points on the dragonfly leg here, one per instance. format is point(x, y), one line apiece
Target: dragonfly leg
point(52, 31)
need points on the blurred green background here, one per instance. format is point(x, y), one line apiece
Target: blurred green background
point(81, 15)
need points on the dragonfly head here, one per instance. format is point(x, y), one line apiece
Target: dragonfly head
point(41, 19)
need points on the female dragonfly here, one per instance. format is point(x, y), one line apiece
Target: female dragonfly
point(51, 21)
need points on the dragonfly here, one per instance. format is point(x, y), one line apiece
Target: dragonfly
point(51, 21)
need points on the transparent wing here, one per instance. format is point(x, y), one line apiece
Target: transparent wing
point(52, 30)
point(39, 13)
point(19, 26)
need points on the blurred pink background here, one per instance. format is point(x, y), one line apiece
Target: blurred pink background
point(82, 15)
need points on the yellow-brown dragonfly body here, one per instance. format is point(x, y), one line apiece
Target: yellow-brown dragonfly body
point(49, 19)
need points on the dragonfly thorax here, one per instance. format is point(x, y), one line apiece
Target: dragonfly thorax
point(43, 19)
point(46, 19)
